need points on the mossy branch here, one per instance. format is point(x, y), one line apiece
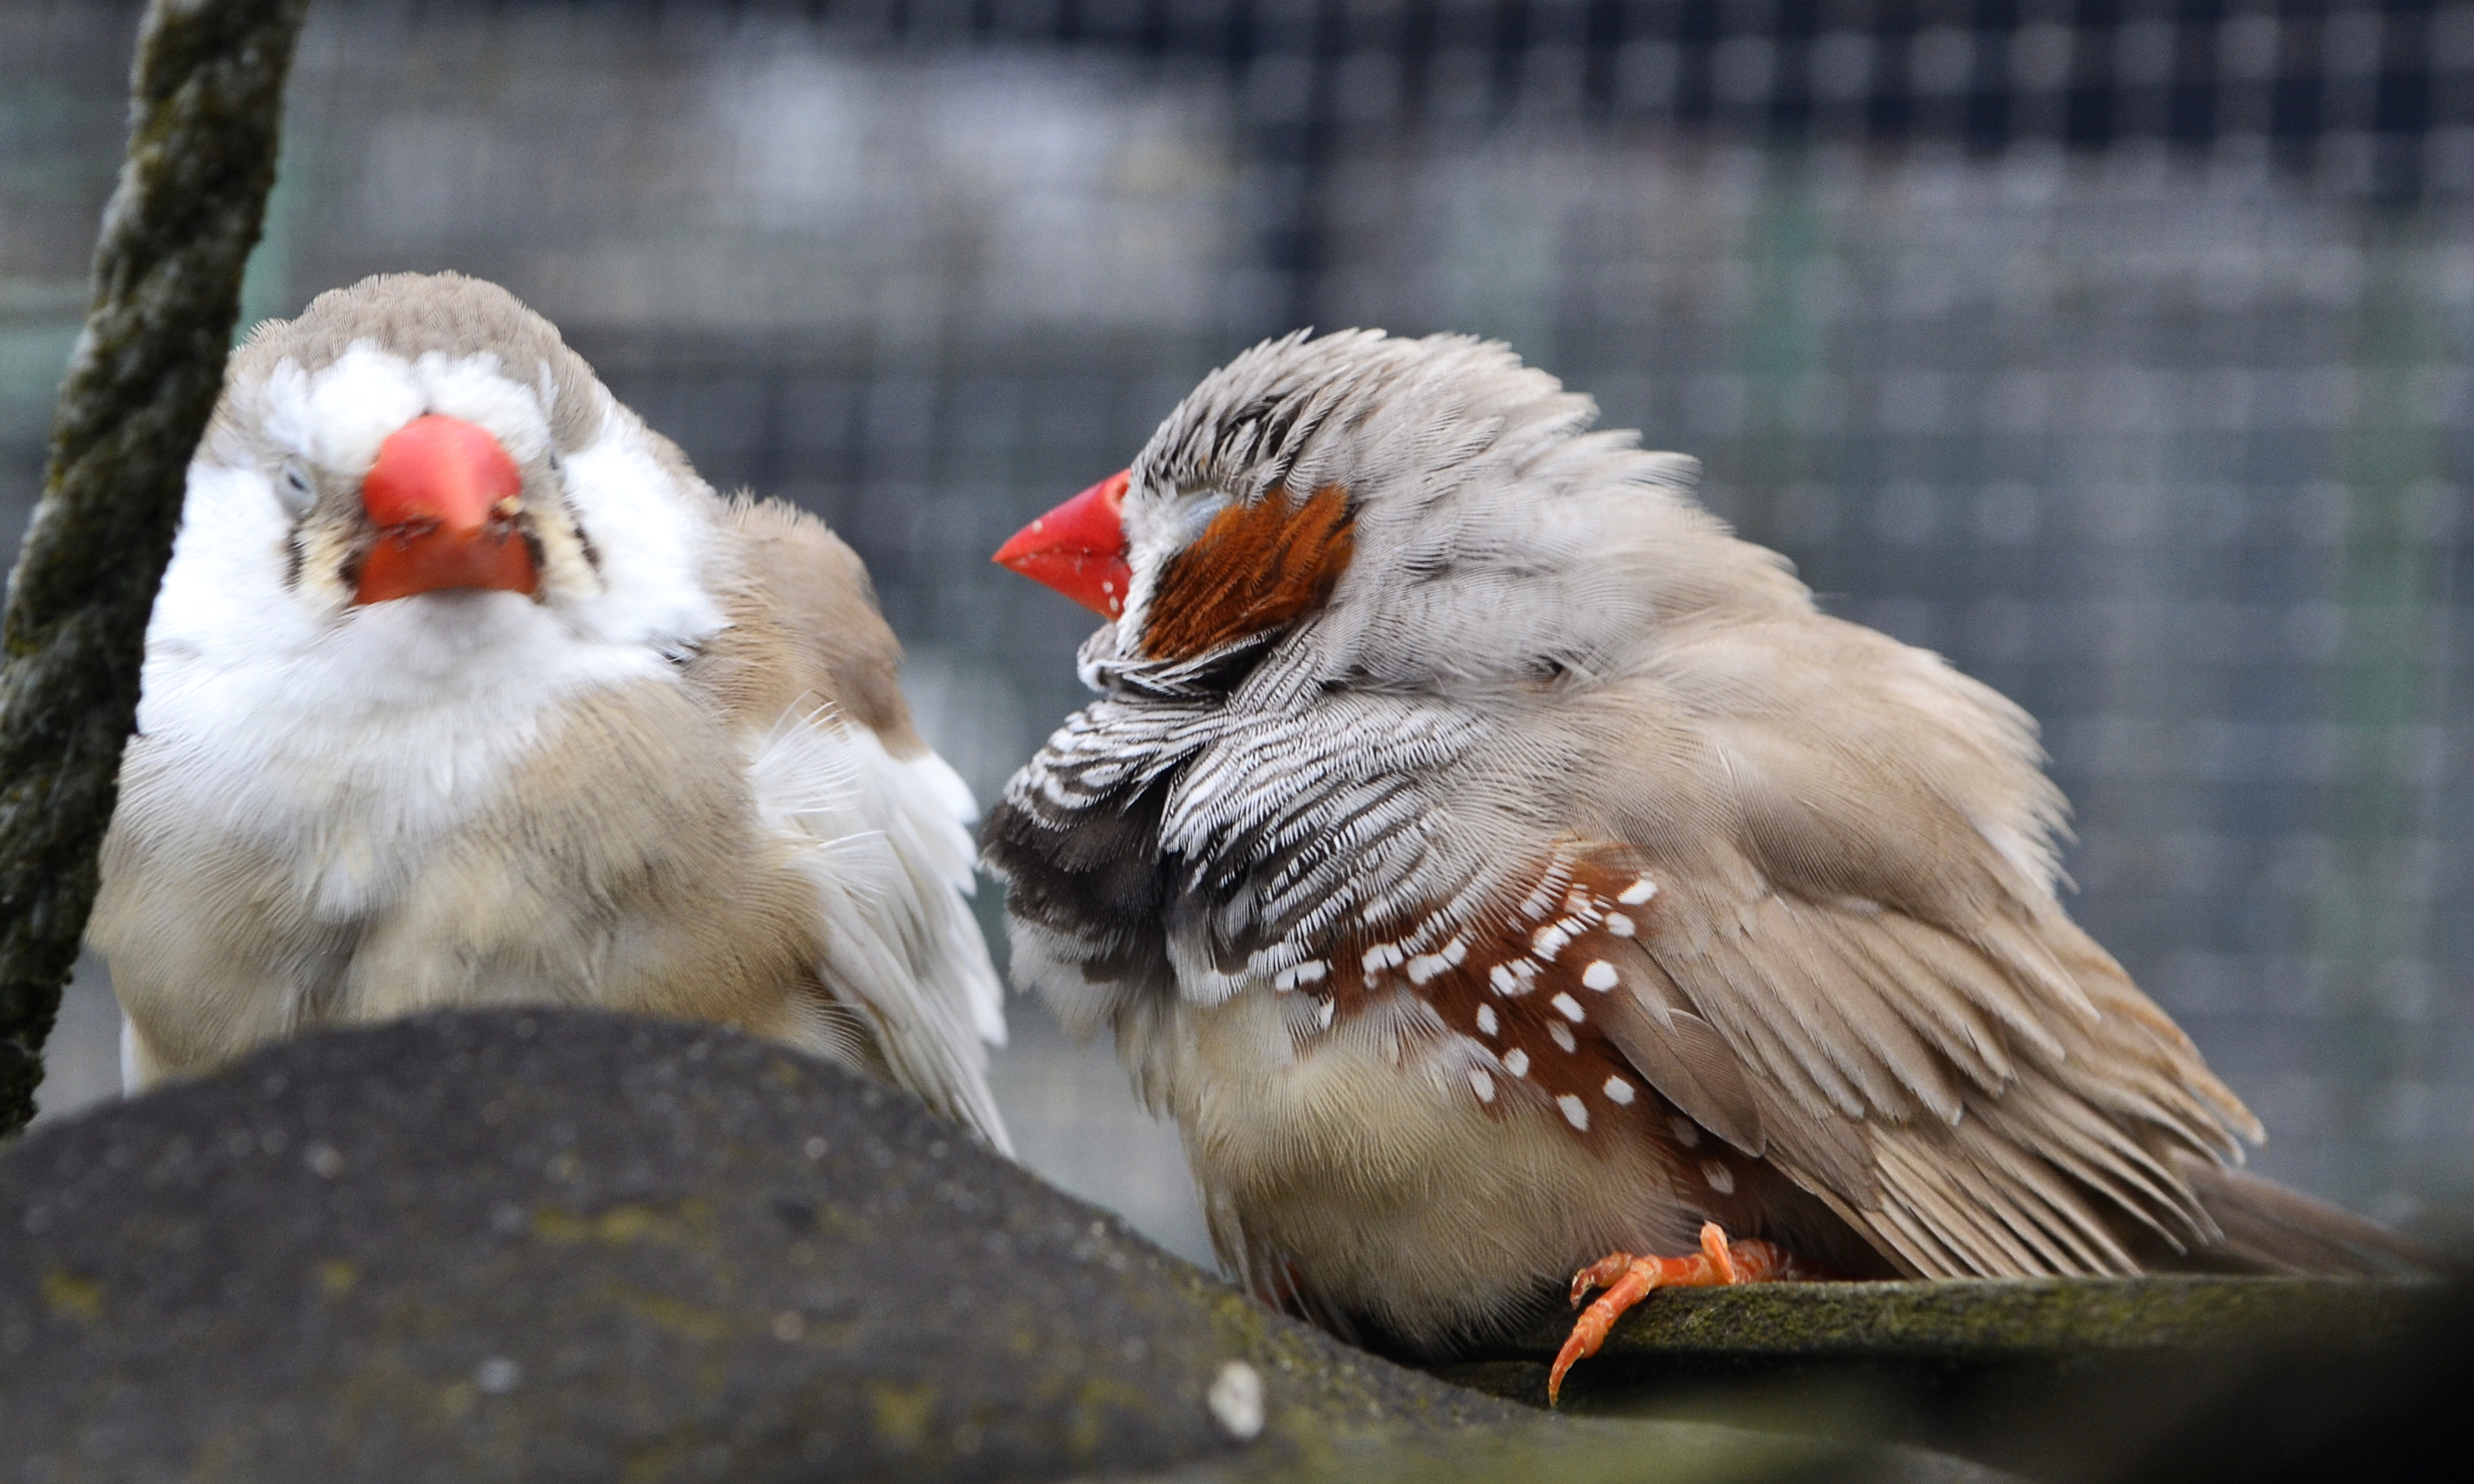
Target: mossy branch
point(205, 107)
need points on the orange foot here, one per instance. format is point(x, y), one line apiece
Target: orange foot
point(1628, 1279)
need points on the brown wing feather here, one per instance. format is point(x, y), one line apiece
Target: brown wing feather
point(804, 628)
point(902, 974)
point(1850, 842)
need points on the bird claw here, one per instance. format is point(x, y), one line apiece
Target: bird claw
point(1601, 1273)
point(1628, 1279)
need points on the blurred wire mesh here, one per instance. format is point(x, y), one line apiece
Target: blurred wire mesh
point(2120, 352)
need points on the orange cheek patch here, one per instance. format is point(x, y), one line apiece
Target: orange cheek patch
point(1254, 568)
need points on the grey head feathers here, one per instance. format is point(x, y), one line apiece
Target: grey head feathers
point(1497, 540)
point(412, 316)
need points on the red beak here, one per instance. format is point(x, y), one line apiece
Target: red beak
point(1079, 549)
point(445, 497)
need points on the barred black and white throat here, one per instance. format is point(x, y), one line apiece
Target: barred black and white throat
point(1490, 861)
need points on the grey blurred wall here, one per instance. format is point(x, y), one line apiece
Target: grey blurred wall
point(2161, 429)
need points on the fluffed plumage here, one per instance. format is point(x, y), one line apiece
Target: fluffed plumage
point(1490, 861)
point(612, 740)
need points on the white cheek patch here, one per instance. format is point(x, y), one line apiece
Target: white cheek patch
point(653, 538)
point(227, 572)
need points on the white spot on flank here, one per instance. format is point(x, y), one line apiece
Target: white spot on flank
point(1639, 891)
point(1721, 1178)
point(1618, 1092)
point(1575, 1111)
point(1561, 1036)
point(1516, 1062)
point(1539, 905)
point(1322, 1013)
point(1425, 966)
point(1568, 1008)
point(1454, 951)
point(1600, 975)
point(1687, 1132)
point(1481, 1085)
point(1549, 941)
point(1619, 925)
point(1285, 981)
point(1382, 956)
point(1486, 1023)
point(1308, 973)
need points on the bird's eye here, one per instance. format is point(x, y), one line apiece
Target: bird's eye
point(294, 488)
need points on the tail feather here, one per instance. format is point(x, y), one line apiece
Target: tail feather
point(2272, 1229)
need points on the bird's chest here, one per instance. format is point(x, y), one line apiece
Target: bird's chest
point(1355, 1168)
point(352, 825)
point(435, 858)
point(348, 758)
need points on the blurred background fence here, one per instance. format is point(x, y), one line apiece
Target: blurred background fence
point(2119, 351)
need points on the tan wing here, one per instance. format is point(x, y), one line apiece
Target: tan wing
point(804, 623)
point(810, 673)
point(1850, 845)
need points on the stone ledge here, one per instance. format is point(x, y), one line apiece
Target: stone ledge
point(545, 1245)
point(2000, 1320)
point(2059, 1378)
